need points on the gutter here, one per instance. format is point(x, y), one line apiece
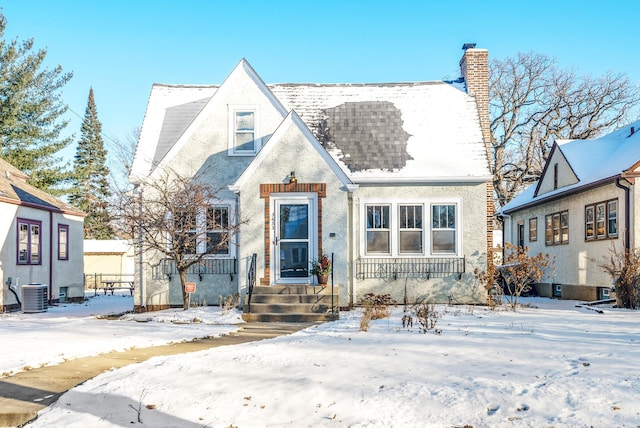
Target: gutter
point(363, 180)
point(627, 211)
point(564, 194)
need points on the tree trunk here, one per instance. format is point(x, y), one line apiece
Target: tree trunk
point(183, 283)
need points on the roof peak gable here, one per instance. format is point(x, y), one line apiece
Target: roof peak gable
point(292, 120)
point(557, 172)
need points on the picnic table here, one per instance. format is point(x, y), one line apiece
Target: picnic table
point(117, 284)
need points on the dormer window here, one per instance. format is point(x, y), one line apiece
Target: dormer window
point(243, 131)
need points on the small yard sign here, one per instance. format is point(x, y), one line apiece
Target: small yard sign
point(190, 287)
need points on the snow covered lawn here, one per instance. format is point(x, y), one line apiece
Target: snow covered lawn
point(551, 364)
point(71, 330)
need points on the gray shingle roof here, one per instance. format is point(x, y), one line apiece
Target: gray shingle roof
point(419, 131)
point(15, 190)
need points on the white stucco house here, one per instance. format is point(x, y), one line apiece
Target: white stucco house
point(390, 179)
point(40, 241)
point(584, 204)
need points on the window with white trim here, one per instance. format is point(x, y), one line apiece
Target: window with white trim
point(217, 224)
point(243, 131)
point(205, 231)
point(411, 239)
point(29, 244)
point(378, 229)
point(443, 229)
point(402, 229)
point(185, 237)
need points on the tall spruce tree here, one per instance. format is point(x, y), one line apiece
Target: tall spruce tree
point(31, 112)
point(90, 187)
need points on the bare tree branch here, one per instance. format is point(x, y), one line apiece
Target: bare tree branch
point(533, 103)
point(176, 215)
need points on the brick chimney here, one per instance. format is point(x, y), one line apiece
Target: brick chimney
point(474, 67)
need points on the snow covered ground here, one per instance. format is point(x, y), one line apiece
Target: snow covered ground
point(70, 331)
point(550, 364)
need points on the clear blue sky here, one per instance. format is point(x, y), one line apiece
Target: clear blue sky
point(122, 47)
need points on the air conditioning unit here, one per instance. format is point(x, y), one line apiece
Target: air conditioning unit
point(34, 297)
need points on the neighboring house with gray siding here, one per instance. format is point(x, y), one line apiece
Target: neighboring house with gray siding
point(584, 205)
point(391, 179)
point(41, 241)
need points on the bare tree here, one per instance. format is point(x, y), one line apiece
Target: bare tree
point(516, 276)
point(624, 269)
point(533, 103)
point(175, 216)
point(121, 153)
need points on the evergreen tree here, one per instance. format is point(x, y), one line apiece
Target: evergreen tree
point(30, 113)
point(90, 188)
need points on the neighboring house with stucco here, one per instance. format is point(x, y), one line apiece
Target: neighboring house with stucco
point(40, 241)
point(584, 204)
point(391, 179)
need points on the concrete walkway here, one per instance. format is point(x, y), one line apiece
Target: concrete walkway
point(24, 394)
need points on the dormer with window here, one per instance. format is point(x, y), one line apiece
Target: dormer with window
point(244, 137)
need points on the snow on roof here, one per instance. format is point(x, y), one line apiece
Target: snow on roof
point(170, 110)
point(14, 189)
point(103, 246)
point(592, 160)
point(439, 123)
point(420, 131)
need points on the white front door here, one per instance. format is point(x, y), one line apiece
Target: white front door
point(294, 243)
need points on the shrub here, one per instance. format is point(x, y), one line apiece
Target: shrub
point(427, 316)
point(226, 305)
point(624, 269)
point(376, 306)
point(517, 275)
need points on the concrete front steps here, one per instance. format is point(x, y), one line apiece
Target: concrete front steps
point(292, 303)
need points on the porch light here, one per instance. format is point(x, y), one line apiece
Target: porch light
point(292, 178)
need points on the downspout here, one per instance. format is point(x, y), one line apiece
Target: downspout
point(142, 276)
point(50, 256)
point(353, 254)
point(627, 211)
point(502, 218)
point(239, 276)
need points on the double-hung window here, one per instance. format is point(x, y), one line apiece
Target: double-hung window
point(378, 229)
point(410, 232)
point(533, 229)
point(243, 131)
point(601, 220)
point(205, 230)
point(63, 242)
point(410, 229)
point(612, 219)
point(557, 228)
point(29, 245)
point(217, 230)
point(185, 236)
point(443, 229)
